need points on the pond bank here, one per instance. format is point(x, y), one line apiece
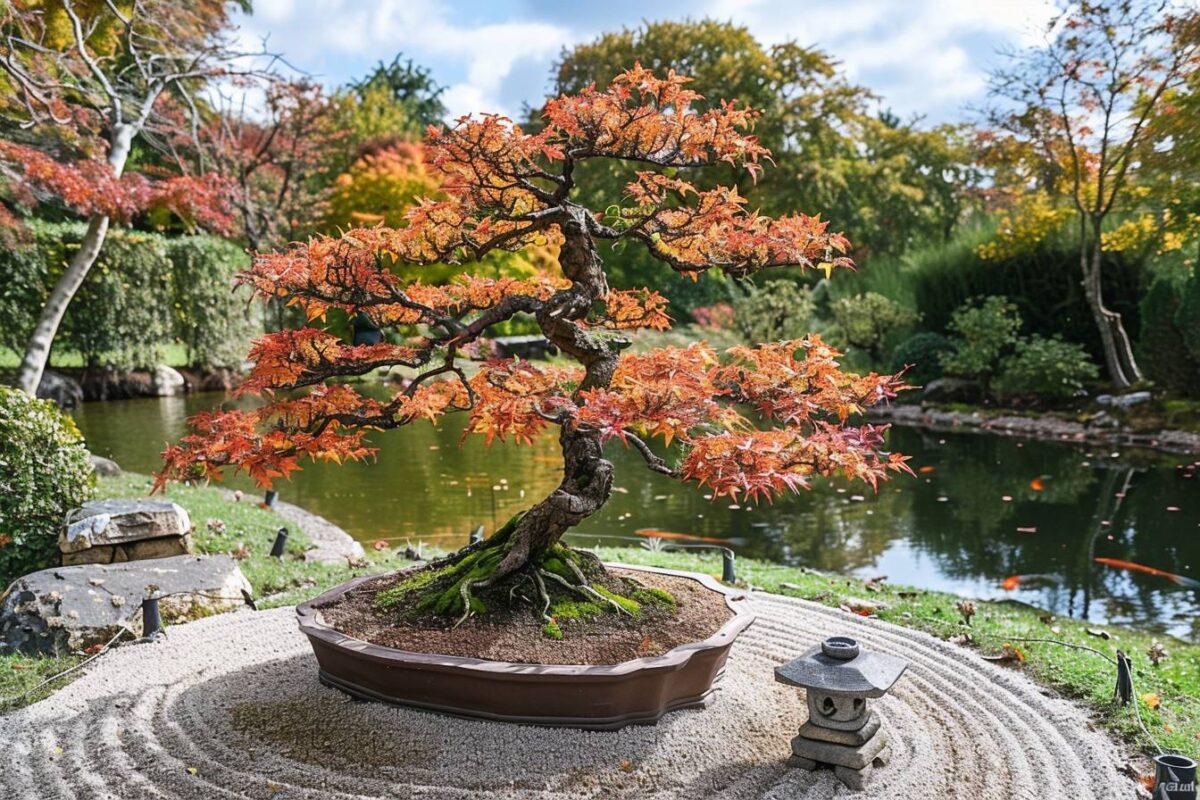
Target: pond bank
point(1099, 429)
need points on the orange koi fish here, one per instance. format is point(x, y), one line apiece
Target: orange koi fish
point(1190, 583)
point(655, 533)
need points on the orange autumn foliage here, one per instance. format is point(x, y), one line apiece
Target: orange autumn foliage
point(752, 422)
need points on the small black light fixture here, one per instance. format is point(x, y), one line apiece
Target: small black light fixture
point(270, 497)
point(728, 574)
point(1174, 777)
point(365, 330)
point(151, 617)
point(277, 548)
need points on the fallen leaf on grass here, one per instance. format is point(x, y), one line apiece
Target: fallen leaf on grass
point(1008, 655)
point(1037, 484)
point(926, 470)
point(15, 665)
point(93, 649)
point(1151, 699)
point(380, 545)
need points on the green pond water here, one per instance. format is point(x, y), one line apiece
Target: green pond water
point(985, 516)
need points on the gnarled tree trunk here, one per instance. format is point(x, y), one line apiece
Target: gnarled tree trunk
point(587, 476)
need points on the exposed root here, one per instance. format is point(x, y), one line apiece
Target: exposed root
point(586, 590)
point(543, 594)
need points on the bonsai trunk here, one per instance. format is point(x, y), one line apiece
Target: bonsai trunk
point(525, 553)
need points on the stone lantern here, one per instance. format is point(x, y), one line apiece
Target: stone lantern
point(841, 731)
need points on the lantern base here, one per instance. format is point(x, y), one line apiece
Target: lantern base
point(853, 764)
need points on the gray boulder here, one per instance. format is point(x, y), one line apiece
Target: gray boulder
point(952, 390)
point(64, 390)
point(1124, 400)
point(66, 609)
point(108, 531)
point(167, 382)
point(105, 467)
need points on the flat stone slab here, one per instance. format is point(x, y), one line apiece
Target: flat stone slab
point(231, 706)
point(837, 754)
point(67, 609)
point(101, 523)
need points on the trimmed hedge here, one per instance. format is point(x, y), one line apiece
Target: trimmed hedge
point(144, 292)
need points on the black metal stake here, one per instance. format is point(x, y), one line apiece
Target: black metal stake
point(727, 572)
point(151, 619)
point(1123, 692)
point(280, 543)
point(270, 497)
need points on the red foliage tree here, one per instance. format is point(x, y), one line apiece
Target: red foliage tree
point(505, 188)
point(84, 81)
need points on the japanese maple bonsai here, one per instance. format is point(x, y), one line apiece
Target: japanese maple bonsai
point(754, 422)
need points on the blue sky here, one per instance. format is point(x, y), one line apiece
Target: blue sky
point(924, 57)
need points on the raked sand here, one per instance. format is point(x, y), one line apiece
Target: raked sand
point(230, 707)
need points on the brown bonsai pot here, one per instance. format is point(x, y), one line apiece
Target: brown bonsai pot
point(600, 697)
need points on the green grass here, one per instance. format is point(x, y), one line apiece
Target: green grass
point(174, 355)
point(1077, 674)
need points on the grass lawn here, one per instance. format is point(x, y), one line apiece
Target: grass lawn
point(174, 354)
point(1174, 685)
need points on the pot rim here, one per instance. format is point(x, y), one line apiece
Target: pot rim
point(313, 625)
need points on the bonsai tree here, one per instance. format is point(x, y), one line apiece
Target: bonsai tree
point(760, 421)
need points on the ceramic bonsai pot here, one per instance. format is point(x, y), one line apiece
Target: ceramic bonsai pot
point(599, 697)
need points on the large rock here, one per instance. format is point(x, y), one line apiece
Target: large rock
point(1124, 400)
point(952, 390)
point(64, 390)
point(110, 531)
point(167, 382)
point(67, 609)
point(105, 467)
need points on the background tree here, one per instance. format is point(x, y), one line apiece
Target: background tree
point(506, 189)
point(275, 159)
point(1083, 101)
point(85, 80)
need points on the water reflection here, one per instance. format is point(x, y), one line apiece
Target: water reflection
point(984, 512)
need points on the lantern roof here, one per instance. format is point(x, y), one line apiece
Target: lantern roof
point(838, 666)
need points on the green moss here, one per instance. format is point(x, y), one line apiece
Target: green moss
point(552, 631)
point(651, 596)
point(577, 609)
point(632, 606)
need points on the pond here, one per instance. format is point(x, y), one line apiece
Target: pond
point(985, 516)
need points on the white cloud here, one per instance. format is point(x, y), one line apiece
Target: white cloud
point(317, 33)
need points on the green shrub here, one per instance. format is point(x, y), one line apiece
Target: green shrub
point(1044, 283)
point(22, 292)
point(773, 311)
point(866, 321)
point(1045, 367)
point(212, 320)
point(981, 332)
point(922, 352)
point(1187, 317)
point(44, 473)
point(1160, 355)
